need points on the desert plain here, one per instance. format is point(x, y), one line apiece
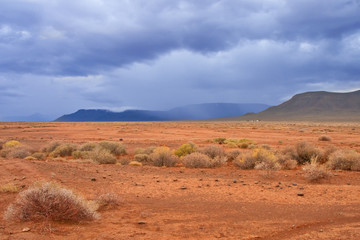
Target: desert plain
point(188, 203)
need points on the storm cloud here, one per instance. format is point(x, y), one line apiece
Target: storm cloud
point(59, 56)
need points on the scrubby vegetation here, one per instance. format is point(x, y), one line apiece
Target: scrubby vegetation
point(325, 138)
point(239, 143)
point(314, 172)
point(344, 160)
point(102, 156)
point(162, 156)
point(213, 151)
point(107, 200)
point(49, 202)
point(200, 160)
point(185, 149)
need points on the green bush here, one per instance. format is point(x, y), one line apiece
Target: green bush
point(148, 150)
point(185, 149)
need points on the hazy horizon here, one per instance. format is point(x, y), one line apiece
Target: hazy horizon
point(61, 56)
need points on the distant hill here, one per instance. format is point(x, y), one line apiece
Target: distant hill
point(312, 106)
point(190, 112)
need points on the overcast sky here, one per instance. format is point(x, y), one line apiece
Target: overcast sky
point(58, 56)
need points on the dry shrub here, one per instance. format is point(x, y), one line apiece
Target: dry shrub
point(286, 162)
point(102, 156)
point(135, 163)
point(232, 155)
point(148, 150)
point(305, 152)
point(219, 140)
point(1, 144)
point(185, 149)
point(325, 153)
point(162, 156)
point(200, 160)
point(245, 161)
point(11, 144)
point(79, 154)
point(213, 151)
point(18, 151)
point(39, 156)
point(325, 138)
point(260, 157)
point(314, 172)
point(107, 201)
point(124, 161)
point(51, 147)
point(30, 158)
point(113, 147)
point(47, 201)
point(238, 143)
point(86, 147)
point(143, 158)
point(9, 188)
point(63, 150)
point(344, 160)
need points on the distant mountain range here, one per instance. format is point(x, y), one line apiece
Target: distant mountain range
point(190, 112)
point(311, 106)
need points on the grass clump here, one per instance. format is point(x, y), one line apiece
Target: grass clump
point(102, 156)
point(63, 150)
point(213, 151)
point(143, 158)
point(107, 201)
point(324, 138)
point(39, 156)
point(86, 147)
point(51, 147)
point(9, 188)
point(185, 149)
point(232, 155)
point(113, 147)
point(344, 160)
point(200, 160)
point(239, 143)
point(11, 144)
point(17, 151)
point(219, 140)
point(148, 150)
point(49, 202)
point(314, 172)
point(162, 156)
point(259, 158)
point(305, 152)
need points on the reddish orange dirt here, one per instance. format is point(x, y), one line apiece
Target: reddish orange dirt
point(181, 203)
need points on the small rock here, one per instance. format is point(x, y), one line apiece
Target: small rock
point(183, 188)
point(175, 180)
point(277, 185)
point(294, 184)
point(200, 179)
point(216, 180)
point(93, 179)
point(157, 180)
point(141, 222)
point(234, 181)
point(104, 177)
point(26, 229)
point(120, 139)
point(300, 194)
point(301, 188)
point(23, 178)
point(348, 183)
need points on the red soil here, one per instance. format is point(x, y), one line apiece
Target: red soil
point(212, 206)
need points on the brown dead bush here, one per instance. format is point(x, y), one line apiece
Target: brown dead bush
point(108, 200)
point(162, 156)
point(344, 160)
point(213, 151)
point(305, 152)
point(49, 202)
point(200, 160)
point(314, 172)
point(102, 156)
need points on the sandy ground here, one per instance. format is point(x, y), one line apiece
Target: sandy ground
point(180, 203)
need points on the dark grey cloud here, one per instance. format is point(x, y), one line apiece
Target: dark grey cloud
point(151, 54)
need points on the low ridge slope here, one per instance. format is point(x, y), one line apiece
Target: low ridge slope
point(312, 106)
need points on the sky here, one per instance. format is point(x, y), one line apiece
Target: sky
point(58, 56)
